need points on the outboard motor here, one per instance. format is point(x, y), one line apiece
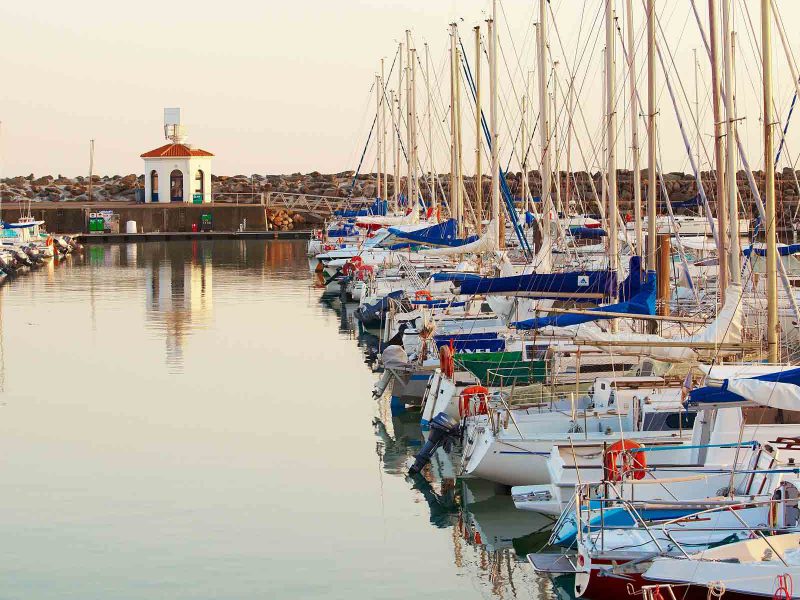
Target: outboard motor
point(444, 429)
point(73, 244)
point(33, 253)
point(22, 258)
point(61, 246)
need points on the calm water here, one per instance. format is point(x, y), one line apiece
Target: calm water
point(193, 420)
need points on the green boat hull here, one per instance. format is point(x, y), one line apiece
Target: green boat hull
point(502, 368)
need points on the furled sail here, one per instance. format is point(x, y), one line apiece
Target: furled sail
point(486, 243)
point(438, 234)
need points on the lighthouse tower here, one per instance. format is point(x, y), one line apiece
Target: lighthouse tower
point(176, 172)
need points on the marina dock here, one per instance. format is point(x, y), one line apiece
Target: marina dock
point(167, 236)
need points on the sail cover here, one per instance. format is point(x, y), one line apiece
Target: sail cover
point(486, 243)
point(725, 329)
point(643, 303)
point(775, 390)
point(439, 234)
point(572, 285)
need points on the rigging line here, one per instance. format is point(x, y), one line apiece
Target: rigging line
point(700, 188)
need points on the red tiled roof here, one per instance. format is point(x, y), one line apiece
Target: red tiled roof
point(175, 150)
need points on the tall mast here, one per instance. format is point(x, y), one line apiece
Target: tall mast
point(400, 77)
point(413, 142)
point(459, 146)
point(634, 118)
point(91, 168)
point(524, 150)
point(722, 212)
point(454, 213)
point(651, 135)
point(384, 162)
point(544, 114)
point(769, 184)
point(409, 126)
point(379, 103)
point(478, 135)
point(395, 153)
point(498, 233)
point(433, 179)
point(731, 188)
point(611, 132)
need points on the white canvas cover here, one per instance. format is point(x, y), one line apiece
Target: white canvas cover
point(486, 243)
point(726, 328)
point(767, 393)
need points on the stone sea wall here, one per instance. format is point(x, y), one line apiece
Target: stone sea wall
point(680, 187)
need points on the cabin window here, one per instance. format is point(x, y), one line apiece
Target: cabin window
point(684, 420)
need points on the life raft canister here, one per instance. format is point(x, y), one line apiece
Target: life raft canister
point(466, 406)
point(633, 463)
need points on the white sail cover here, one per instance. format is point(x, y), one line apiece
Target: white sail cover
point(725, 329)
point(486, 243)
point(767, 393)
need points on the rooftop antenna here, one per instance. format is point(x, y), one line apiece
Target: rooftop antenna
point(173, 130)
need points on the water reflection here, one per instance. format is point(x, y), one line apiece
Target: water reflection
point(489, 537)
point(179, 292)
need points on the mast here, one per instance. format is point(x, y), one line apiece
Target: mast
point(409, 125)
point(400, 74)
point(395, 152)
point(556, 145)
point(433, 179)
point(384, 162)
point(731, 188)
point(478, 135)
point(544, 117)
point(769, 184)
point(611, 131)
point(524, 157)
point(379, 175)
point(91, 168)
point(493, 126)
point(413, 142)
point(637, 173)
point(459, 146)
point(722, 211)
point(651, 135)
point(454, 213)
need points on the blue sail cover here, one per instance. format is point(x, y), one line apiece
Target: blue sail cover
point(378, 208)
point(572, 285)
point(643, 303)
point(455, 276)
point(441, 234)
point(721, 395)
point(472, 342)
point(587, 233)
point(782, 250)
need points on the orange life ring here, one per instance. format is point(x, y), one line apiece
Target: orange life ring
point(633, 463)
point(465, 405)
point(423, 294)
point(446, 361)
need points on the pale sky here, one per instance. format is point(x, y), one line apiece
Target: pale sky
point(279, 87)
